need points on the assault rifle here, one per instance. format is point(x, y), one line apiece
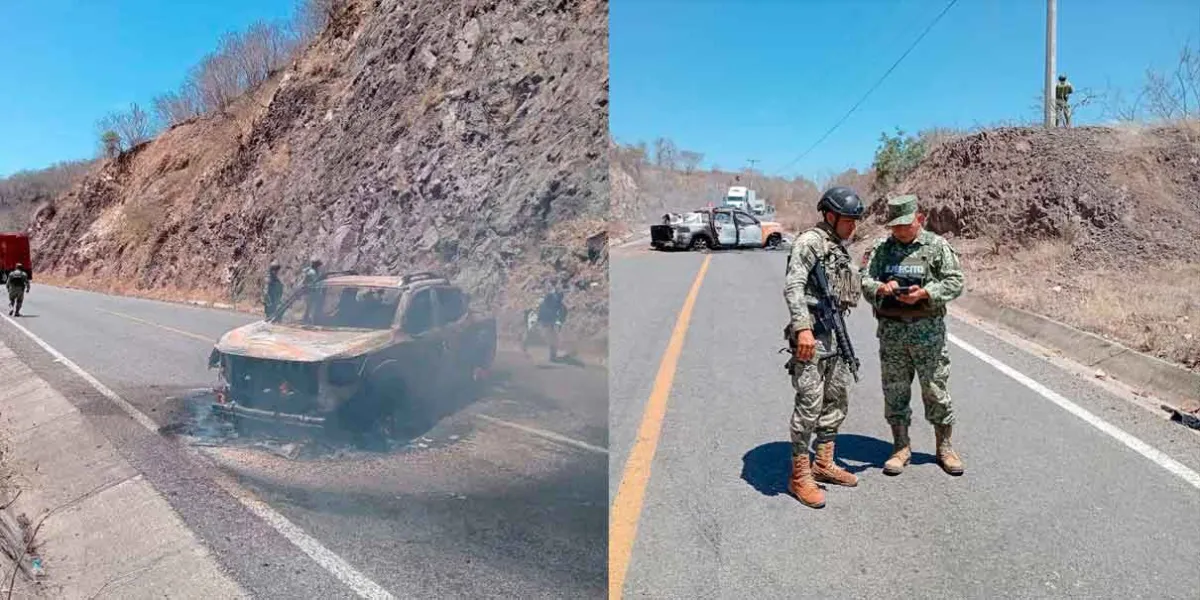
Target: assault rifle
point(828, 317)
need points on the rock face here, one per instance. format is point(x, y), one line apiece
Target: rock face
point(412, 134)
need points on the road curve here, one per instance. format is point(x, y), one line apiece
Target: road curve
point(503, 497)
point(1050, 505)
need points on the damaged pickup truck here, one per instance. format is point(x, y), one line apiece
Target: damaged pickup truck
point(360, 354)
point(720, 227)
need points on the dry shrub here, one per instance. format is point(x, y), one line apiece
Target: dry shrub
point(1162, 319)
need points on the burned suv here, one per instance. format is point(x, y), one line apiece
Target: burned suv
point(362, 354)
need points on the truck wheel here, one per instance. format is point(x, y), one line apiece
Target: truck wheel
point(700, 242)
point(773, 240)
point(377, 410)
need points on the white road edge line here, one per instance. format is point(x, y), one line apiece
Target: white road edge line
point(550, 435)
point(323, 556)
point(1157, 456)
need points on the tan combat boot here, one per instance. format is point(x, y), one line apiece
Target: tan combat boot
point(946, 456)
point(801, 484)
point(827, 471)
point(901, 451)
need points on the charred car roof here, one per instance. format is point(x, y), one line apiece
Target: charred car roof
point(385, 281)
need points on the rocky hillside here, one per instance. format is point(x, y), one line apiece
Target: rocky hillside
point(24, 192)
point(416, 134)
point(1093, 226)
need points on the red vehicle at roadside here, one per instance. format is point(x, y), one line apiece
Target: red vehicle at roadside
point(14, 248)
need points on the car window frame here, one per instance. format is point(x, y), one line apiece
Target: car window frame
point(437, 296)
point(408, 305)
point(750, 218)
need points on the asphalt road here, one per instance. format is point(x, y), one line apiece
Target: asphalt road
point(1049, 506)
point(503, 498)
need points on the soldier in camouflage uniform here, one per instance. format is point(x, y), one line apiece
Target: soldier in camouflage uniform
point(312, 305)
point(18, 285)
point(1062, 102)
point(273, 291)
point(820, 377)
point(912, 328)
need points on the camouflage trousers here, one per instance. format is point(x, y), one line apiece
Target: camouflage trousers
point(16, 298)
point(822, 399)
point(1062, 114)
point(917, 348)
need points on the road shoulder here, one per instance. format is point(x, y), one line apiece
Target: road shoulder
point(102, 530)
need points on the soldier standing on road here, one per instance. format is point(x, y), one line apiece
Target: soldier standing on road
point(312, 274)
point(273, 292)
point(18, 286)
point(551, 313)
point(1062, 104)
point(912, 328)
point(819, 375)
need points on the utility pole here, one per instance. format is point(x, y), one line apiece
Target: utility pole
point(752, 161)
point(1051, 25)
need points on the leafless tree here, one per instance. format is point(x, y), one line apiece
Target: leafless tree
point(131, 127)
point(22, 192)
point(311, 17)
point(1117, 107)
point(690, 160)
point(263, 49)
point(174, 108)
point(665, 153)
point(217, 79)
point(1165, 95)
point(1174, 95)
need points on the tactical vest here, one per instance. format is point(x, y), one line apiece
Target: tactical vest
point(913, 269)
point(16, 281)
point(843, 277)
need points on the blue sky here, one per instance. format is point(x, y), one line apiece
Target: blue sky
point(66, 63)
point(765, 79)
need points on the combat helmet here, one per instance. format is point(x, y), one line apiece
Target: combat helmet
point(843, 201)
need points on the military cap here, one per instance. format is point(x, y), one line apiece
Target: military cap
point(901, 210)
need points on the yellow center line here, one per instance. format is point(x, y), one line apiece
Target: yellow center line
point(627, 506)
point(194, 336)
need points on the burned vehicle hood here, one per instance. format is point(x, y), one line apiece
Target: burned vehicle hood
point(281, 342)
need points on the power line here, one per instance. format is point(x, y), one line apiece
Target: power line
point(873, 87)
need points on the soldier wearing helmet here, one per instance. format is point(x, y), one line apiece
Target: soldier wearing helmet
point(18, 286)
point(820, 378)
point(1062, 105)
point(312, 275)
